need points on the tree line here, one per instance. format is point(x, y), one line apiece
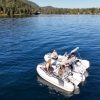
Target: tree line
point(17, 7)
point(13, 8)
point(51, 10)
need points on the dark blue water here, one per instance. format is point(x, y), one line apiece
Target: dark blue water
point(23, 43)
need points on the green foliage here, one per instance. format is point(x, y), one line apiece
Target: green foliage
point(17, 7)
point(52, 10)
point(13, 8)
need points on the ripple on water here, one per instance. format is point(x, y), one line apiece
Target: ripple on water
point(24, 41)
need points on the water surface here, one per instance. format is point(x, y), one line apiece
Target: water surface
point(23, 43)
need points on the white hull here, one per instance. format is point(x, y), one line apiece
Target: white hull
point(67, 86)
point(82, 66)
point(78, 69)
point(76, 78)
point(51, 87)
point(74, 70)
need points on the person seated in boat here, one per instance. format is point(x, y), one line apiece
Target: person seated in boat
point(72, 55)
point(48, 66)
point(61, 70)
point(67, 66)
point(71, 58)
point(54, 55)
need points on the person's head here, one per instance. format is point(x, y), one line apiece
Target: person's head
point(63, 66)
